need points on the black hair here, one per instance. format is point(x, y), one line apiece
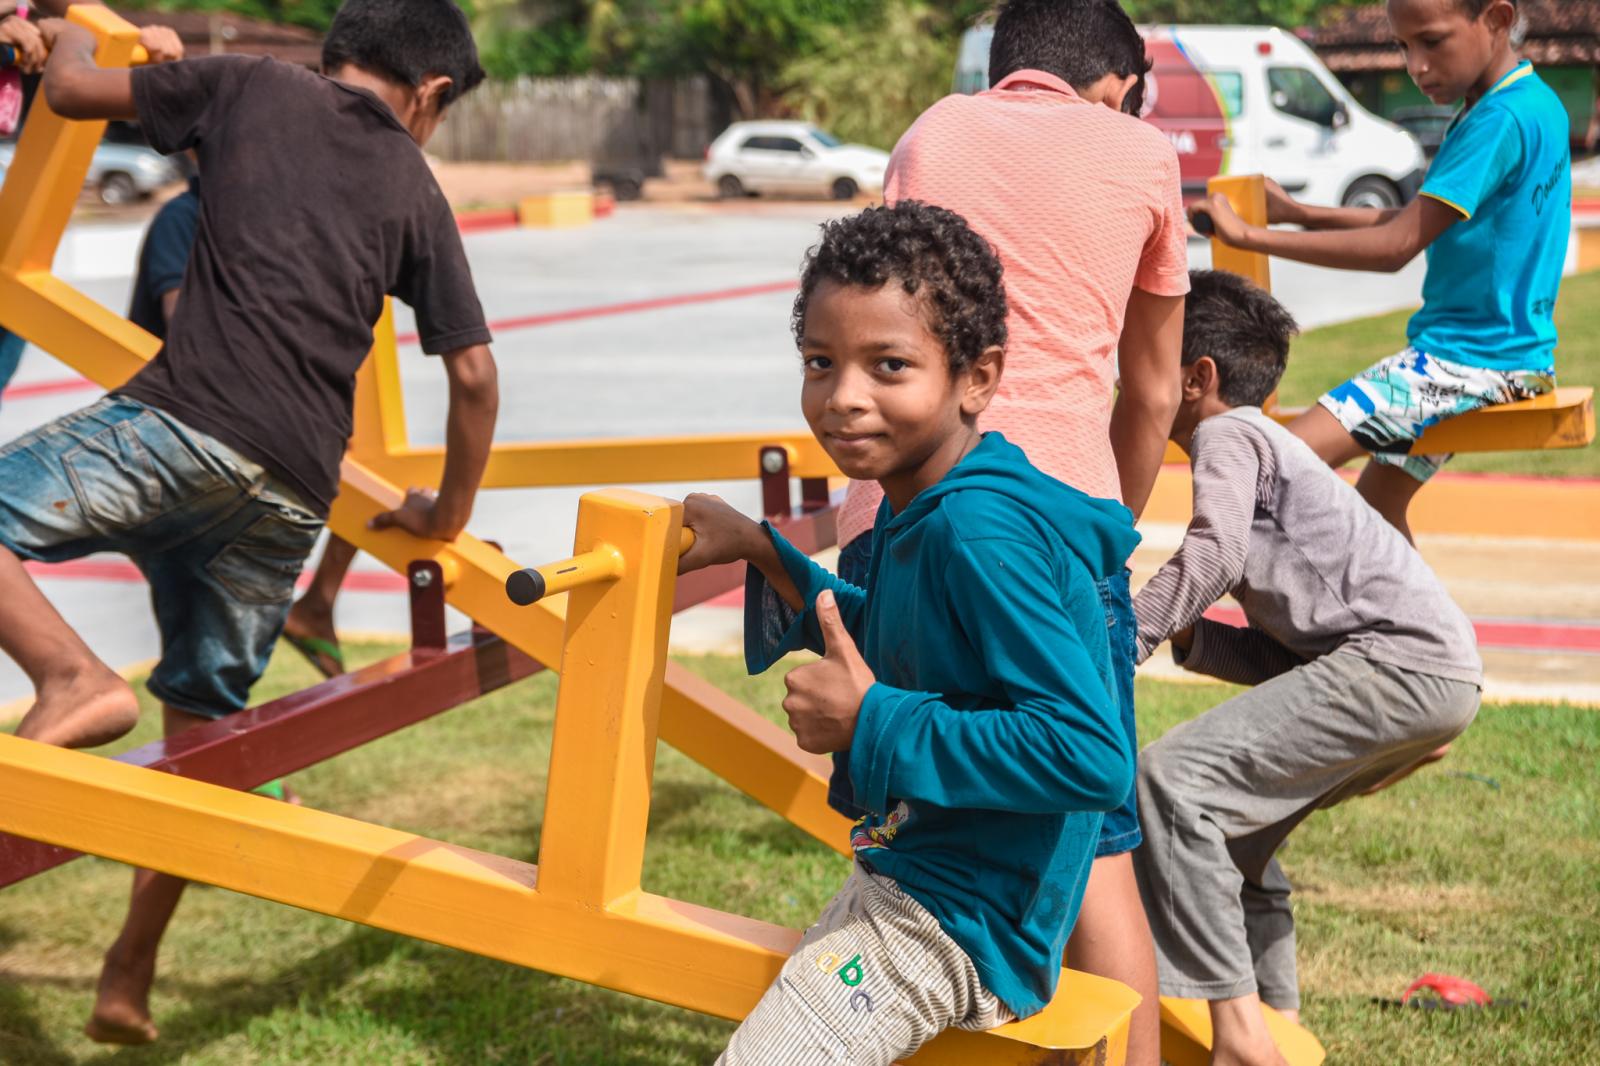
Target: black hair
point(1079, 41)
point(405, 41)
point(1474, 8)
point(1243, 329)
point(933, 254)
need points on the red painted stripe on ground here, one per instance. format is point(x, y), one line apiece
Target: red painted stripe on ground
point(482, 221)
point(119, 571)
point(628, 307)
point(577, 314)
point(1500, 634)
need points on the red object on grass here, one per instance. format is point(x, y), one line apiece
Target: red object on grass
point(1452, 991)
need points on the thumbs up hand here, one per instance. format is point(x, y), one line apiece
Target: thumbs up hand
point(825, 696)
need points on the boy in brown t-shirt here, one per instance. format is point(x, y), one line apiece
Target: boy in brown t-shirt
point(214, 467)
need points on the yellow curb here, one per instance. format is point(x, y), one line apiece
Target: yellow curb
point(1486, 506)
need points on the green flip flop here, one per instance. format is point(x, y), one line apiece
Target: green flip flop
point(272, 790)
point(314, 649)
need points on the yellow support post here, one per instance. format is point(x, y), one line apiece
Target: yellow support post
point(1247, 193)
point(35, 208)
point(379, 427)
point(602, 754)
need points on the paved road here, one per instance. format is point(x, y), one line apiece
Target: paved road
point(717, 363)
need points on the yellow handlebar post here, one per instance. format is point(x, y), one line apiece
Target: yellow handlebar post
point(604, 563)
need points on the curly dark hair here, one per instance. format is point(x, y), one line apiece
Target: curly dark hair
point(933, 254)
point(1244, 330)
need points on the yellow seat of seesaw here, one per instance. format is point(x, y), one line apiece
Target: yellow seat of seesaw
point(1186, 1035)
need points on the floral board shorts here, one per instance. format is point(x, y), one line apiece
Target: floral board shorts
point(1388, 406)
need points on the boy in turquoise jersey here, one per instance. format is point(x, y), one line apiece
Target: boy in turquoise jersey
point(970, 679)
point(1494, 215)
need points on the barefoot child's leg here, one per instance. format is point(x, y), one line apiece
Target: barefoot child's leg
point(220, 598)
point(1112, 939)
point(1328, 438)
point(122, 997)
point(80, 701)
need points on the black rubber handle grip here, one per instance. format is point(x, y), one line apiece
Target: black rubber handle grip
point(1203, 224)
point(525, 587)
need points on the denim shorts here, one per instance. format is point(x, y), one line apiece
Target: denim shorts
point(220, 539)
point(1119, 833)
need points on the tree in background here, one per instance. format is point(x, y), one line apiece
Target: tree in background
point(1287, 13)
point(868, 81)
point(313, 14)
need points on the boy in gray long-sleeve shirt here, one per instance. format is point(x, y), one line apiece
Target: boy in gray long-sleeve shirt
point(1361, 661)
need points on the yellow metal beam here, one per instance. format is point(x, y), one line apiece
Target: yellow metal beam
point(380, 407)
point(619, 460)
point(752, 754)
point(646, 945)
point(602, 754)
point(36, 204)
point(1247, 193)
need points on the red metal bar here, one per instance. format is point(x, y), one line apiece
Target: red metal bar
point(814, 494)
point(425, 583)
point(253, 747)
point(774, 481)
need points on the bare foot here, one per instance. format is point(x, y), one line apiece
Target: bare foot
point(1269, 1055)
point(122, 1003)
point(84, 709)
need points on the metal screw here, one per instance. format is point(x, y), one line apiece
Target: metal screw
point(773, 460)
point(422, 578)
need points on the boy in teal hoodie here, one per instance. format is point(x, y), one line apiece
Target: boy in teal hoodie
point(970, 680)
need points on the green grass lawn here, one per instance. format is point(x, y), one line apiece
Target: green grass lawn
point(1442, 873)
point(1324, 357)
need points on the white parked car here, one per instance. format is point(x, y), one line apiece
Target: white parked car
point(119, 173)
point(754, 157)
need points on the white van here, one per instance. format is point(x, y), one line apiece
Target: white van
point(1256, 100)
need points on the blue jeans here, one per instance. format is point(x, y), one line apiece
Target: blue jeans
point(220, 539)
point(1120, 831)
point(11, 347)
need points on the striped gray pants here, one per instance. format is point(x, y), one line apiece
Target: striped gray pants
point(870, 983)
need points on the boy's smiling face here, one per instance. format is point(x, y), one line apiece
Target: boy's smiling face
point(1448, 52)
point(879, 394)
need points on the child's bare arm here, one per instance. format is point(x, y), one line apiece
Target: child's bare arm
point(1385, 248)
point(1148, 354)
point(469, 436)
point(723, 535)
point(74, 84)
point(1283, 208)
point(161, 42)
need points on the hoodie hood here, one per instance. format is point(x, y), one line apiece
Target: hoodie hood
point(1100, 532)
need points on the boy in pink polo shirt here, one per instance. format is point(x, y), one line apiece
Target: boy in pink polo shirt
point(1082, 202)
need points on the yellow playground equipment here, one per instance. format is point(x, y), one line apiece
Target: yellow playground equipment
point(601, 619)
point(581, 912)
